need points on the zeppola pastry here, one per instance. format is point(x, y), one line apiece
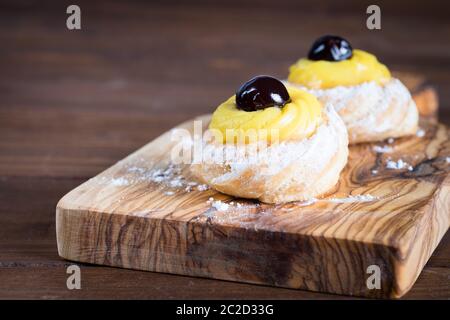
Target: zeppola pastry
point(278, 144)
point(373, 105)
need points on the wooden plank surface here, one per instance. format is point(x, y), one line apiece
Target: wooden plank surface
point(72, 104)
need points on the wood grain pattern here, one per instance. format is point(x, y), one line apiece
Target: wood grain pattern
point(325, 246)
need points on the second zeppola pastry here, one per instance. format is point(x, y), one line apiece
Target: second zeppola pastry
point(278, 144)
point(374, 105)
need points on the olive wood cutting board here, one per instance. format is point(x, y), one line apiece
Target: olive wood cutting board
point(385, 217)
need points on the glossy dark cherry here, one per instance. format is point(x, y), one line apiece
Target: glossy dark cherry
point(330, 48)
point(261, 92)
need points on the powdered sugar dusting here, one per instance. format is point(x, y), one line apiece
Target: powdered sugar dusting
point(420, 133)
point(171, 177)
point(382, 149)
point(220, 206)
point(398, 165)
point(348, 199)
point(255, 215)
point(202, 187)
point(116, 182)
point(120, 182)
point(357, 198)
point(223, 206)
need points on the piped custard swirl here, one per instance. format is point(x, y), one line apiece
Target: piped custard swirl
point(297, 119)
point(322, 74)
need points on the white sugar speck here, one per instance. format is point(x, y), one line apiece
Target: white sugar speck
point(223, 206)
point(397, 165)
point(136, 169)
point(202, 187)
point(158, 179)
point(169, 193)
point(447, 159)
point(390, 140)
point(176, 182)
point(349, 199)
point(170, 177)
point(220, 206)
point(420, 133)
point(357, 198)
point(382, 149)
point(118, 182)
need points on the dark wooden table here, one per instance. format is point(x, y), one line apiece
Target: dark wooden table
point(72, 103)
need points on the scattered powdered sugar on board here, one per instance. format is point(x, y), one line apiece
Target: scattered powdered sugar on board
point(220, 206)
point(420, 133)
point(224, 206)
point(398, 165)
point(202, 187)
point(256, 215)
point(382, 149)
point(116, 182)
point(120, 182)
point(170, 177)
point(350, 199)
point(447, 159)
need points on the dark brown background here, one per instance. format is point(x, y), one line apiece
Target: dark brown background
point(74, 102)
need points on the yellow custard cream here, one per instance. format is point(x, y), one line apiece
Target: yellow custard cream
point(361, 67)
point(297, 119)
